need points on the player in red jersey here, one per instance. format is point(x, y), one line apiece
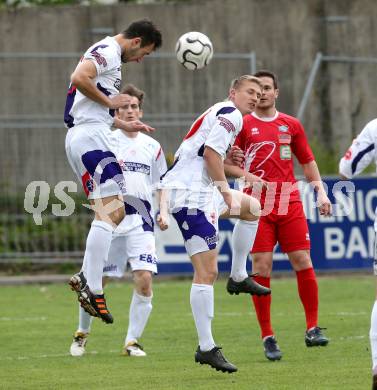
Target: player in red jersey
point(269, 139)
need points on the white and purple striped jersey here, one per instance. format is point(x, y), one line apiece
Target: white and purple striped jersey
point(361, 153)
point(143, 163)
point(216, 128)
point(79, 109)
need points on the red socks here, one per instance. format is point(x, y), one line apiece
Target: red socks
point(308, 292)
point(262, 306)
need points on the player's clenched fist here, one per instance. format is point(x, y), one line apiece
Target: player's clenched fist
point(163, 221)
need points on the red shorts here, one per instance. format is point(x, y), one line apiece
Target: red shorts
point(290, 230)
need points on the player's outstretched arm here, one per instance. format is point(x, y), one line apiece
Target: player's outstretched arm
point(313, 176)
point(132, 126)
point(239, 173)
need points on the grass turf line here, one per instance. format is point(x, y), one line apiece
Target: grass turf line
point(37, 323)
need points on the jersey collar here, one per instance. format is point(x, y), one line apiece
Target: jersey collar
point(267, 119)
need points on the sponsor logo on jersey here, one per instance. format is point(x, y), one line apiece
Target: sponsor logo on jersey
point(148, 258)
point(117, 84)
point(307, 237)
point(121, 184)
point(130, 166)
point(227, 124)
point(348, 154)
point(212, 240)
point(90, 185)
point(283, 128)
point(110, 268)
point(100, 59)
point(87, 183)
point(284, 138)
point(254, 131)
point(285, 152)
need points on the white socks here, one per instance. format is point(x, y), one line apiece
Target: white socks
point(243, 238)
point(202, 305)
point(140, 309)
point(96, 253)
point(373, 335)
point(85, 320)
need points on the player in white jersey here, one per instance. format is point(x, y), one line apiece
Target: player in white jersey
point(190, 194)
point(361, 153)
point(143, 162)
point(89, 113)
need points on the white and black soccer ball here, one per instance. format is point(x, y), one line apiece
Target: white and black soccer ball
point(194, 50)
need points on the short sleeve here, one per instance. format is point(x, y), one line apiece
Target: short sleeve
point(103, 56)
point(222, 134)
point(361, 153)
point(159, 166)
point(300, 146)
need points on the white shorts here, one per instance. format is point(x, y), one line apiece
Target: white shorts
point(199, 227)
point(136, 248)
point(208, 201)
point(91, 152)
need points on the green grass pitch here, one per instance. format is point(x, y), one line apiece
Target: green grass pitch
point(37, 323)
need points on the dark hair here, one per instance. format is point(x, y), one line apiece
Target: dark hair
point(145, 30)
point(130, 89)
point(267, 73)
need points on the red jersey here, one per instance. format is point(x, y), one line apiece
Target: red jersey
point(268, 145)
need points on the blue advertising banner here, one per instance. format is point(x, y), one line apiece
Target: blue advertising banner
point(343, 241)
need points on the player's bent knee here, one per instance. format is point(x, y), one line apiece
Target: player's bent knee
point(262, 270)
point(146, 290)
point(143, 282)
point(300, 260)
point(255, 207)
point(117, 217)
point(208, 277)
point(251, 208)
point(214, 274)
point(110, 210)
point(262, 266)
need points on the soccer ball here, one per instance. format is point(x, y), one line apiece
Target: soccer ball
point(194, 50)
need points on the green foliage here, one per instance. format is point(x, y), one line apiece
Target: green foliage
point(169, 156)
point(25, 3)
point(38, 323)
point(327, 160)
point(25, 267)
point(20, 233)
point(55, 234)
